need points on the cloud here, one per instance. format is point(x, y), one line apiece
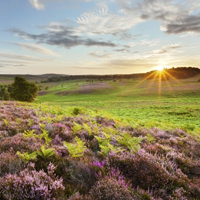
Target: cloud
point(21, 57)
point(62, 36)
point(176, 17)
point(36, 48)
point(121, 50)
point(144, 43)
point(185, 24)
point(167, 49)
point(40, 4)
point(102, 22)
point(98, 55)
point(10, 65)
point(37, 4)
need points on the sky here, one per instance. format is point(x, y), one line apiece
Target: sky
point(97, 36)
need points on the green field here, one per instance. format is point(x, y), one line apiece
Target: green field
point(167, 105)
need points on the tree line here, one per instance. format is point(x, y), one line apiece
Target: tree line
point(178, 73)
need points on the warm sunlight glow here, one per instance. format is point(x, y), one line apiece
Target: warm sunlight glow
point(160, 68)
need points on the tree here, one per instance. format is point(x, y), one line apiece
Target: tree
point(6, 95)
point(22, 90)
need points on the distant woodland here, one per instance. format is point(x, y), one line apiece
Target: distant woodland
point(178, 73)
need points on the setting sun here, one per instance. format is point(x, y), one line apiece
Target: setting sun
point(160, 68)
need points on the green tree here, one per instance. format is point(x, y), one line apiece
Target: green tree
point(24, 90)
point(6, 95)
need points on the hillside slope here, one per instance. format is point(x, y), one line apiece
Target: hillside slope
point(75, 153)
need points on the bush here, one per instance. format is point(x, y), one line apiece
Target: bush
point(24, 90)
point(148, 171)
point(20, 143)
point(111, 189)
point(31, 184)
point(10, 163)
point(77, 196)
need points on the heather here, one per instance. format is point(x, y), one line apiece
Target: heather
point(76, 153)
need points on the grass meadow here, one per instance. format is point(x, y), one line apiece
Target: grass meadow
point(149, 103)
point(121, 139)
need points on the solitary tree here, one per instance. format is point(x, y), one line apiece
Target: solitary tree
point(22, 90)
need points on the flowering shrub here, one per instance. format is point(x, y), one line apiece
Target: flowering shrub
point(20, 143)
point(111, 189)
point(31, 184)
point(9, 163)
point(77, 196)
point(95, 157)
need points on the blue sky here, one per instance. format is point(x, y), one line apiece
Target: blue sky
point(97, 36)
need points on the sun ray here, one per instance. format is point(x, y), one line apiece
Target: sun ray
point(164, 75)
point(160, 84)
point(126, 92)
point(173, 78)
point(157, 75)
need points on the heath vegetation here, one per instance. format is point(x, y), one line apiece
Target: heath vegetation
point(48, 152)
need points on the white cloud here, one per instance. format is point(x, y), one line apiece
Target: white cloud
point(168, 49)
point(37, 4)
point(40, 4)
point(102, 22)
point(144, 43)
point(21, 57)
point(37, 48)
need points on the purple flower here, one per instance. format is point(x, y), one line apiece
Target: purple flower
point(35, 127)
point(61, 125)
point(68, 128)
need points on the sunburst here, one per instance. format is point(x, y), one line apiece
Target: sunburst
point(159, 75)
point(160, 68)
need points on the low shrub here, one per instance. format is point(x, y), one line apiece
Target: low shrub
point(32, 184)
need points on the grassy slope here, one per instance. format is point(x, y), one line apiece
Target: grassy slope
point(139, 103)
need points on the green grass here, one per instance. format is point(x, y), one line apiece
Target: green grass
point(139, 104)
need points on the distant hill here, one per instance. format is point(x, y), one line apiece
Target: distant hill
point(29, 77)
point(178, 73)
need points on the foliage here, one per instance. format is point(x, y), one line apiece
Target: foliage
point(76, 150)
point(105, 146)
point(29, 133)
point(5, 122)
point(45, 153)
point(26, 157)
point(5, 92)
point(24, 90)
point(76, 128)
point(88, 129)
point(150, 138)
point(132, 143)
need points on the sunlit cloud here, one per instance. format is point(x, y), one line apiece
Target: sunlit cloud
point(37, 48)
